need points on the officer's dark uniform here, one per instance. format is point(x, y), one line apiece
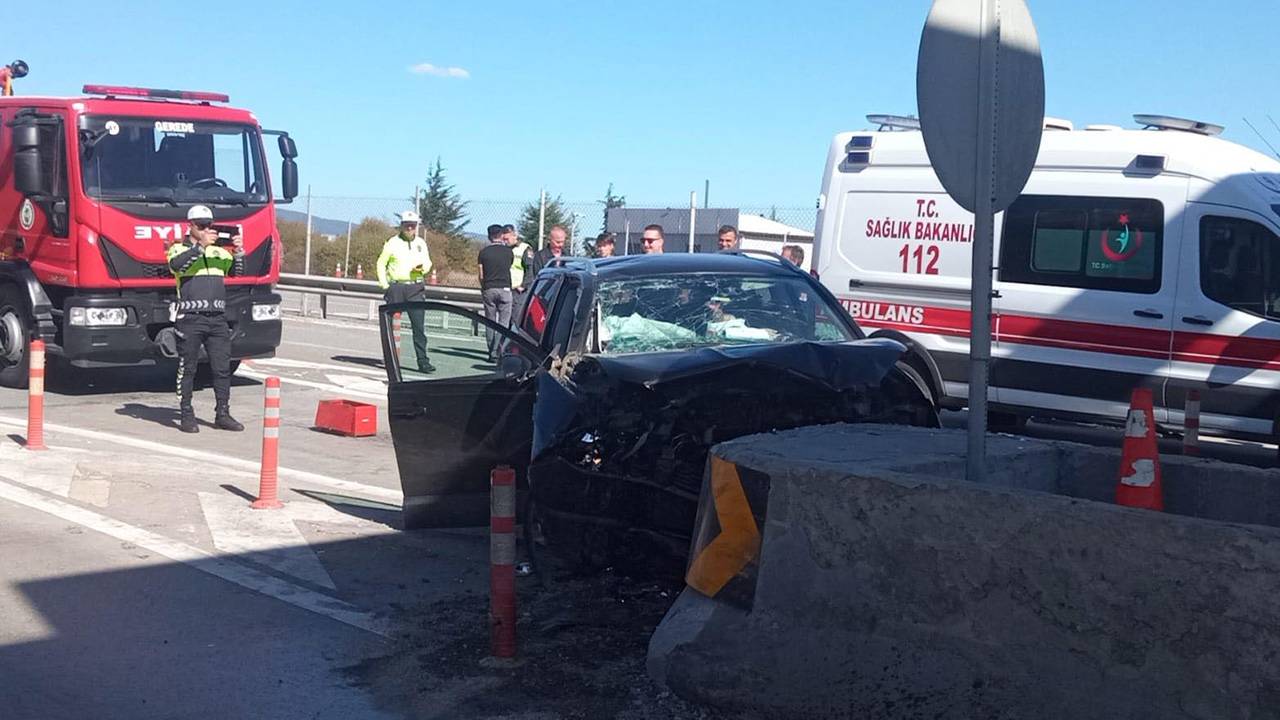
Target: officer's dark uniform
point(201, 321)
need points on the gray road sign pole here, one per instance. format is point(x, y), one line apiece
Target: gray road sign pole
point(980, 91)
point(983, 252)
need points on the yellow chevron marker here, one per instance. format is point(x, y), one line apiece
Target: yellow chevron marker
point(739, 540)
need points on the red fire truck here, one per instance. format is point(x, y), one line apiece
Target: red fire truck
point(94, 189)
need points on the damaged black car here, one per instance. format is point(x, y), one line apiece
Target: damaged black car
point(612, 385)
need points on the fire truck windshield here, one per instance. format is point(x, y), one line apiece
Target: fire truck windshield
point(133, 159)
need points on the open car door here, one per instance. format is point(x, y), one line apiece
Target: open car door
point(454, 414)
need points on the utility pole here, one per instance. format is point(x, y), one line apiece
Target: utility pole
point(346, 263)
point(542, 216)
point(693, 216)
point(306, 263)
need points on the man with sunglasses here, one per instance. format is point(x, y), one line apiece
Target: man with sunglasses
point(200, 265)
point(653, 239)
point(402, 268)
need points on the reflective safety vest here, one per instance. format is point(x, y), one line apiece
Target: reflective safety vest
point(517, 263)
point(199, 273)
point(403, 261)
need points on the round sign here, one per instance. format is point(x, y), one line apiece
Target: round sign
point(112, 127)
point(981, 58)
point(27, 216)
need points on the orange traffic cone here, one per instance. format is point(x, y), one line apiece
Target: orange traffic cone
point(337, 270)
point(359, 271)
point(1139, 483)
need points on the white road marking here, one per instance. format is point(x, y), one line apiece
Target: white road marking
point(90, 488)
point(323, 513)
point(348, 487)
point(358, 384)
point(308, 365)
point(479, 339)
point(266, 537)
point(335, 389)
point(50, 470)
point(221, 567)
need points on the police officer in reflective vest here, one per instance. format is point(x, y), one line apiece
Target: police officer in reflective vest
point(522, 257)
point(402, 266)
point(200, 264)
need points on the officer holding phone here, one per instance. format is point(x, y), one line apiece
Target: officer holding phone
point(402, 266)
point(200, 263)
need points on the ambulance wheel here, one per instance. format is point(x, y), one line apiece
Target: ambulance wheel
point(15, 337)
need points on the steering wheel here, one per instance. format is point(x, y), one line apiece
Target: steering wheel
point(208, 182)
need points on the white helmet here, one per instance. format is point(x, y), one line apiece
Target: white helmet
point(409, 216)
point(199, 212)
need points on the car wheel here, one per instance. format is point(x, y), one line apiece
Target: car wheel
point(15, 338)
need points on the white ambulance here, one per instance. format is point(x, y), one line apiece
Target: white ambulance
point(1134, 258)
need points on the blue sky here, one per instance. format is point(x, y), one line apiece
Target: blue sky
point(655, 97)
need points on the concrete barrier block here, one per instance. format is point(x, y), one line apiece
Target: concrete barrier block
point(887, 586)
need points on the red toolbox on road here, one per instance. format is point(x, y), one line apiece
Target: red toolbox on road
point(347, 417)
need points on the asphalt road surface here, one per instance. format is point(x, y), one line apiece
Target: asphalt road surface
point(138, 583)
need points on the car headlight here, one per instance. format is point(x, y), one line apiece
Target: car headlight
point(266, 312)
point(99, 317)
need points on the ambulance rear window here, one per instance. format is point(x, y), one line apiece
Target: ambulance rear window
point(1086, 242)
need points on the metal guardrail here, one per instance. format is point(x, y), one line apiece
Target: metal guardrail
point(327, 287)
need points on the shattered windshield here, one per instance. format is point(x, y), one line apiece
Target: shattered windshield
point(700, 310)
point(136, 159)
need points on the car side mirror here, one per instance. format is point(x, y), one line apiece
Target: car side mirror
point(289, 178)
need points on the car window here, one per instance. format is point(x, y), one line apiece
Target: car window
point(562, 319)
point(436, 341)
point(1240, 265)
point(538, 308)
point(1085, 242)
point(703, 309)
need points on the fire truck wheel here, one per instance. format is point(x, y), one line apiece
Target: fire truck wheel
point(15, 336)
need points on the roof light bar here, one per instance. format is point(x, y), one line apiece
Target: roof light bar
point(1165, 122)
point(895, 122)
point(123, 91)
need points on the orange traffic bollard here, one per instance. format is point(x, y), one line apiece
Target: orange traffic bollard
point(35, 397)
point(269, 478)
point(502, 562)
point(1139, 483)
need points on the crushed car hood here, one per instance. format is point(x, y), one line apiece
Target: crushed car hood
point(594, 380)
point(838, 365)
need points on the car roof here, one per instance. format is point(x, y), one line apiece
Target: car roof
point(633, 266)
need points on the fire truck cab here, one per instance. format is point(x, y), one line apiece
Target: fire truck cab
point(94, 189)
point(1134, 258)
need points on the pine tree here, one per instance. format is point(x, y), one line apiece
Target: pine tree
point(441, 209)
point(611, 201)
point(556, 215)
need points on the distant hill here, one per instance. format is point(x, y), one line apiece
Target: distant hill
point(319, 225)
point(328, 226)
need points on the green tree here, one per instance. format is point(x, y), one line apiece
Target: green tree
point(556, 215)
point(442, 211)
point(611, 201)
point(293, 236)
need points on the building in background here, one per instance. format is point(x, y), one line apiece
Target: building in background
point(755, 232)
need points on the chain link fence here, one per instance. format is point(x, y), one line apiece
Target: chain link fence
point(346, 234)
